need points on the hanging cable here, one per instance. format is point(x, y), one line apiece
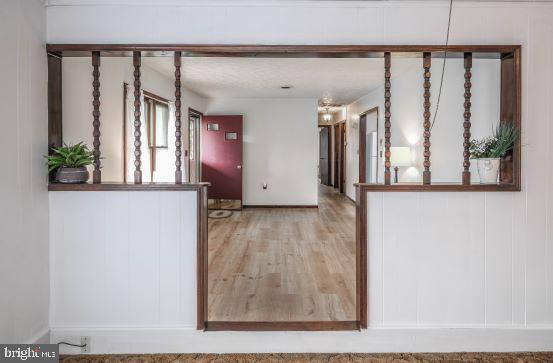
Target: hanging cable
point(443, 64)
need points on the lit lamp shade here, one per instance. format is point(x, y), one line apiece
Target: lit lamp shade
point(400, 156)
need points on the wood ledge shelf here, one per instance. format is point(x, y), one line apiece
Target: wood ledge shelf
point(438, 187)
point(88, 187)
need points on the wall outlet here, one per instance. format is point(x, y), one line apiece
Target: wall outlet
point(264, 186)
point(86, 342)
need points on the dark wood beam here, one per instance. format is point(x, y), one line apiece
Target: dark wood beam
point(54, 104)
point(293, 51)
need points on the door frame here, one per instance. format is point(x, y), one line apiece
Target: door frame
point(340, 156)
point(363, 143)
point(329, 153)
point(241, 166)
point(336, 132)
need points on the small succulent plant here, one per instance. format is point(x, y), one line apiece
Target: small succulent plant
point(70, 156)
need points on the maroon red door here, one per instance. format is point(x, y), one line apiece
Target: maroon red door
point(221, 156)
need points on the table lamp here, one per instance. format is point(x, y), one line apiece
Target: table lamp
point(400, 156)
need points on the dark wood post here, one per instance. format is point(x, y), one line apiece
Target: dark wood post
point(178, 134)
point(137, 123)
point(387, 115)
point(466, 123)
point(426, 176)
point(54, 105)
point(97, 173)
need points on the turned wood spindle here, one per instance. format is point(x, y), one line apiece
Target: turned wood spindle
point(387, 116)
point(137, 123)
point(466, 123)
point(97, 173)
point(426, 176)
point(178, 134)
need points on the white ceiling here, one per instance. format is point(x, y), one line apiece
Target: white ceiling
point(342, 80)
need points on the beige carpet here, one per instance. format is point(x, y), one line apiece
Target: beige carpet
point(300, 358)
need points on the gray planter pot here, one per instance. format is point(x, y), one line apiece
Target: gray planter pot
point(72, 175)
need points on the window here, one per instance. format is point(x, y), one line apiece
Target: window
point(157, 119)
point(192, 137)
point(231, 136)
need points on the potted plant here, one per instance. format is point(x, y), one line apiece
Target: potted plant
point(489, 151)
point(70, 163)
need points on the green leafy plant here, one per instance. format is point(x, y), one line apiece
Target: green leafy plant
point(496, 146)
point(69, 156)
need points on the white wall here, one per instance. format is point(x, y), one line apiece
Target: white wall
point(517, 274)
point(77, 106)
point(281, 148)
point(407, 117)
point(23, 195)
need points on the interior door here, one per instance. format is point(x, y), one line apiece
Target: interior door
point(221, 156)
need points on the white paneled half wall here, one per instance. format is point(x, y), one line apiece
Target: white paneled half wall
point(455, 260)
point(123, 259)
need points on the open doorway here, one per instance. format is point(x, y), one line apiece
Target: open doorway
point(288, 258)
point(325, 154)
point(221, 161)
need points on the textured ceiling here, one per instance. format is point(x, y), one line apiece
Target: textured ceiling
point(340, 80)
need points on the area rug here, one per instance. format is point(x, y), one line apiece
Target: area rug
point(315, 358)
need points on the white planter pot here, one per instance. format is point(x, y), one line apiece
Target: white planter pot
point(488, 170)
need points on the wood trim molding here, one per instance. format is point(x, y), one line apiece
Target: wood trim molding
point(88, 187)
point(202, 260)
point(329, 152)
point(281, 325)
point(216, 50)
point(361, 265)
point(54, 105)
point(280, 206)
point(445, 187)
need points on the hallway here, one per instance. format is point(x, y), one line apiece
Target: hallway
point(284, 264)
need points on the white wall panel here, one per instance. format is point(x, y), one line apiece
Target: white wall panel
point(123, 259)
point(23, 196)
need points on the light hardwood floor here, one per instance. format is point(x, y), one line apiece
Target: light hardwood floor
point(284, 264)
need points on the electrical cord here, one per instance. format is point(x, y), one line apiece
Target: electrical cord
point(443, 65)
point(73, 345)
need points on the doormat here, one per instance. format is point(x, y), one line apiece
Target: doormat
point(315, 358)
point(219, 214)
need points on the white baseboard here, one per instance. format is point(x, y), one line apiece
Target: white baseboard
point(187, 340)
